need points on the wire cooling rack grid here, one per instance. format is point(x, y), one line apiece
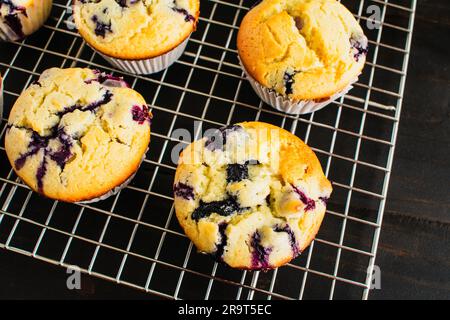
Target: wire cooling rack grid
point(134, 239)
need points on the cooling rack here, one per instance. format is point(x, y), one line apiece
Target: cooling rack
point(133, 238)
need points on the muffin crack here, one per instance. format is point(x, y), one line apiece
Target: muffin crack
point(40, 143)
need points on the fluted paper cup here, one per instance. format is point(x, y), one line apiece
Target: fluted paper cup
point(147, 66)
point(284, 104)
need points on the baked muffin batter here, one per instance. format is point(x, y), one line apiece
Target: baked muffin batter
point(135, 29)
point(302, 49)
point(253, 195)
point(76, 134)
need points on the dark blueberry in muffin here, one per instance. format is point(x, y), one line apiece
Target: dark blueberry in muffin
point(260, 254)
point(140, 114)
point(13, 22)
point(107, 80)
point(224, 208)
point(187, 16)
point(64, 153)
point(219, 139)
point(288, 79)
point(107, 96)
point(12, 7)
point(360, 46)
point(36, 144)
point(237, 172)
point(223, 241)
point(268, 200)
point(101, 27)
point(324, 200)
point(291, 235)
point(184, 191)
point(122, 3)
point(310, 204)
point(41, 171)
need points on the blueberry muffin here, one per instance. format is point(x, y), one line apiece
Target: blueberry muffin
point(137, 36)
point(20, 18)
point(77, 135)
point(252, 195)
point(301, 50)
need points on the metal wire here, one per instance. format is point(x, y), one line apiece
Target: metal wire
point(337, 264)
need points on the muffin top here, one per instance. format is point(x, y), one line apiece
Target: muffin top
point(75, 134)
point(302, 49)
point(253, 195)
point(135, 29)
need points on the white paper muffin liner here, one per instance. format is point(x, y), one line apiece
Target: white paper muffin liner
point(116, 189)
point(36, 15)
point(147, 66)
point(287, 105)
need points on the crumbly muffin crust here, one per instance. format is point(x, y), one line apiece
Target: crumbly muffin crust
point(253, 195)
point(302, 49)
point(76, 134)
point(135, 29)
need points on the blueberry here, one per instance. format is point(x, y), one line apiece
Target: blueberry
point(13, 8)
point(360, 46)
point(324, 200)
point(62, 155)
point(220, 247)
point(187, 16)
point(237, 172)
point(101, 27)
point(310, 204)
point(268, 200)
point(35, 145)
point(141, 114)
point(107, 80)
point(224, 208)
point(93, 107)
point(13, 22)
point(122, 3)
point(219, 139)
point(260, 254)
point(289, 80)
point(41, 171)
point(183, 191)
point(291, 235)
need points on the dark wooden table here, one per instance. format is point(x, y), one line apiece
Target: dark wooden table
point(414, 247)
